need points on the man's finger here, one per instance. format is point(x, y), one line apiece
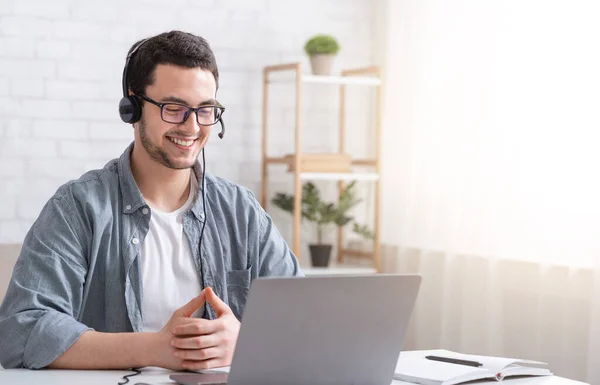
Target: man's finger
point(214, 301)
point(201, 365)
point(189, 308)
point(197, 327)
point(196, 342)
point(198, 354)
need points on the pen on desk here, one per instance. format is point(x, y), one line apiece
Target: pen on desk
point(454, 361)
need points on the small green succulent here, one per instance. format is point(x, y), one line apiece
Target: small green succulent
point(321, 44)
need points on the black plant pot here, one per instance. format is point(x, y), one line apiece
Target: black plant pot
point(319, 255)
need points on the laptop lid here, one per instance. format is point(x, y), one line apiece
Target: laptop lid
point(322, 330)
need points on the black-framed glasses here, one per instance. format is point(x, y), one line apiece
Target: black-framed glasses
point(177, 113)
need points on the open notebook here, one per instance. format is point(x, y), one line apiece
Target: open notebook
point(414, 367)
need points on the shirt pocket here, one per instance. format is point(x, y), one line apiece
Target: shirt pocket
point(238, 287)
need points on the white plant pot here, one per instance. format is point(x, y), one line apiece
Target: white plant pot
point(321, 64)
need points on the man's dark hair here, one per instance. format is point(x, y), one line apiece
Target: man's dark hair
point(175, 47)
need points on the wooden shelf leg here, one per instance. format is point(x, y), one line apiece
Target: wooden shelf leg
point(265, 166)
point(341, 150)
point(297, 180)
point(377, 232)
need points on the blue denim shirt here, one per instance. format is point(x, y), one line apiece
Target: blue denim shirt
point(79, 268)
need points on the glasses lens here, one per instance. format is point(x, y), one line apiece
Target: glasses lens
point(206, 115)
point(174, 113)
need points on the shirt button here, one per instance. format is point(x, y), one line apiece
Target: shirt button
point(201, 217)
point(128, 207)
point(145, 211)
point(135, 241)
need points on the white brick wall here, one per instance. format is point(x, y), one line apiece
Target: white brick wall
point(60, 71)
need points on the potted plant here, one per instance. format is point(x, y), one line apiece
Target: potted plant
point(321, 49)
point(323, 214)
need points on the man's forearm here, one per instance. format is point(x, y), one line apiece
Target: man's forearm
point(95, 350)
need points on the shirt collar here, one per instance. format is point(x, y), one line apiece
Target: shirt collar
point(132, 196)
point(198, 205)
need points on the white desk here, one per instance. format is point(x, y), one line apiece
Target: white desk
point(310, 271)
point(156, 376)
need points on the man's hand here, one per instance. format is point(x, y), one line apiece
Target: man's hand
point(200, 343)
point(163, 352)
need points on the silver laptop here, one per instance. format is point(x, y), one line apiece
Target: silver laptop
point(319, 330)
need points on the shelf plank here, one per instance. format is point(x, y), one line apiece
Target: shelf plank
point(362, 80)
point(364, 162)
point(281, 160)
point(319, 79)
point(363, 176)
point(357, 253)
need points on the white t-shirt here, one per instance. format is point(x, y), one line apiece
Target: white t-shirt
point(169, 276)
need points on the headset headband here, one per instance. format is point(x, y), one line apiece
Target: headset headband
point(133, 51)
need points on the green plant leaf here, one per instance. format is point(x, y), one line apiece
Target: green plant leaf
point(343, 221)
point(284, 202)
point(315, 210)
point(363, 230)
point(321, 44)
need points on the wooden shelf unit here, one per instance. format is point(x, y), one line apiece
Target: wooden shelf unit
point(369, 76)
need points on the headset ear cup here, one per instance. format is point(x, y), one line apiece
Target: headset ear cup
point(137, 108)
point(130, 109)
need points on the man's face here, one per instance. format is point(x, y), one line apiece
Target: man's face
point(192, 87)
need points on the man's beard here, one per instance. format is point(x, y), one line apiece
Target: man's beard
point(157, 154)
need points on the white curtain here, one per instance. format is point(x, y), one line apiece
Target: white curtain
point(490, 175)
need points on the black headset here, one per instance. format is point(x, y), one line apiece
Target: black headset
point(130, 106)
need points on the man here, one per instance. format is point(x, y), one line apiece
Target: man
point(118, 269)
